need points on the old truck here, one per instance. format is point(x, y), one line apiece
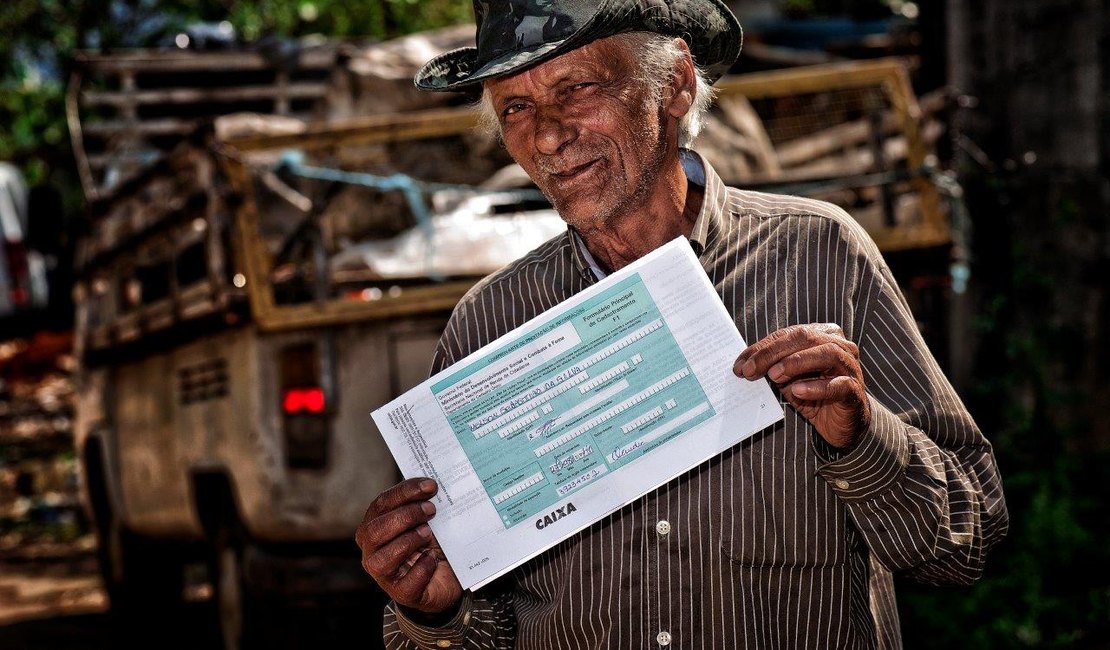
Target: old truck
point(228, 371)
point(229, 360)
point(217, 424)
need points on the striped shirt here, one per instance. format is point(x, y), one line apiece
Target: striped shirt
point(781, 541)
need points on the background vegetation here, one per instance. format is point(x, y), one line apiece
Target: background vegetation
point(1041, 289)
point(41, 36)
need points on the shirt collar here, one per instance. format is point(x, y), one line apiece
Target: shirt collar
point(714, 203)
point(583, 259)
point(706, 226)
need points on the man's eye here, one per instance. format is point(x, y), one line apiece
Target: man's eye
point(512, 108)
point(583, 85)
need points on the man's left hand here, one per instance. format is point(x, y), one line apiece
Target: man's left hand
point(817, 370)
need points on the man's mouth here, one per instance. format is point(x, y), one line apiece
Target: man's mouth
point(571, 173)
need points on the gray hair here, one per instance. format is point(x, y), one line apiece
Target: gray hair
point(657, 58)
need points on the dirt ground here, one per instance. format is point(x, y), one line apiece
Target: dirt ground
point(35, 588)
point(51, 598)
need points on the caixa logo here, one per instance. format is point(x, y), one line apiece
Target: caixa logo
point(555, 515)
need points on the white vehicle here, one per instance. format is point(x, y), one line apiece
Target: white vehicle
point(23, 283)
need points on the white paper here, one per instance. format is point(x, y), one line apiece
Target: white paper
point(576, 413)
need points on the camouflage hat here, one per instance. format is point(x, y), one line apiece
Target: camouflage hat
point(515, 34)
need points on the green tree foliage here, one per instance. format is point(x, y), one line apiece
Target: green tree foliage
point(41, 36)
point(1048, 584)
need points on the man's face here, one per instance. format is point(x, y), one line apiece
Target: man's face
point(585, 130)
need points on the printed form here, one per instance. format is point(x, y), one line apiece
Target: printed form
point(577, 413)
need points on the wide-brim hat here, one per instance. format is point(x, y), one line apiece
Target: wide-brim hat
point(516, 34)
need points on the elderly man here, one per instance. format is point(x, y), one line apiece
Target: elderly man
point(789, 539)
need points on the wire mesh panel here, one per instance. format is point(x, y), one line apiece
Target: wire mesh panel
point(848, 133)
point(127, 109)
point(793, 117)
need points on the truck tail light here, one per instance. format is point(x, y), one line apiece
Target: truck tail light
point(306, 414)
point(17, 272)
point(304, 400)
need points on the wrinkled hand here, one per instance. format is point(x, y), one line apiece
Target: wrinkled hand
point(400, 552)
point(817, 370)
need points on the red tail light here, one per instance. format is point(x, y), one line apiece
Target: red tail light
point(304, 400)
point(306, 425)
point(17, 272)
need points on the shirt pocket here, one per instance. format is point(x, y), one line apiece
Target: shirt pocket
point(781, 514)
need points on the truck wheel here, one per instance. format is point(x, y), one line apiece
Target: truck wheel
point(138, 575)
point(227, 583)
point(243, 616)
point(141, 575)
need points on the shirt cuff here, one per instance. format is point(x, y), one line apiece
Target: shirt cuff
point(448, 635)
point(877, 462)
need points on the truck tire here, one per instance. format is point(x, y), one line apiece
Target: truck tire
point(244, 616)
point(142, 576)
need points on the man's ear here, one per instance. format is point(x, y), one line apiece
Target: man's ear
point(684, 84)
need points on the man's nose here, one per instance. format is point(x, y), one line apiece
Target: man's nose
point(553, 130)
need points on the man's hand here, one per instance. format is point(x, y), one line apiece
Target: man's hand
point(400, 552)
point(817, 370)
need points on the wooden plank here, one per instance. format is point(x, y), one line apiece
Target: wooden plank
point(368, 130)
point(910, 237)
point(299, 90)
point(100, 337)
point(812, 79)
point(128, 108)
point(787, 56)
point(197, 300)
point(190, 60)
point(904, 101)
point(853, 162)
point(248, 248)
point(157, 315)
point(168, 126)
point(413, 301)
point(114, 234)
point(77, 139)
point(801, 151)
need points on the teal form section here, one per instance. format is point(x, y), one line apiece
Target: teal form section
point(537, 426)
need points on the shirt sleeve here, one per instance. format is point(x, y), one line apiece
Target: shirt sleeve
point(483, 622)
point(921, 486)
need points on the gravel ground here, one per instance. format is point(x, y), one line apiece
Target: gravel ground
point(51, 598)
point(35, 589)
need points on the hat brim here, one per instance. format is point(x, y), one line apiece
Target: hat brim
point(713, 50)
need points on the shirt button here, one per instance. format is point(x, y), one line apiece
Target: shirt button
point(443, 643)
point(664, 638)
point(663, 527)
point(841, 483)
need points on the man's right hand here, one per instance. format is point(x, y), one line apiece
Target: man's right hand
point(400, 552)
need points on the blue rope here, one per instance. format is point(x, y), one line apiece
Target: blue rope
point(414, 190)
